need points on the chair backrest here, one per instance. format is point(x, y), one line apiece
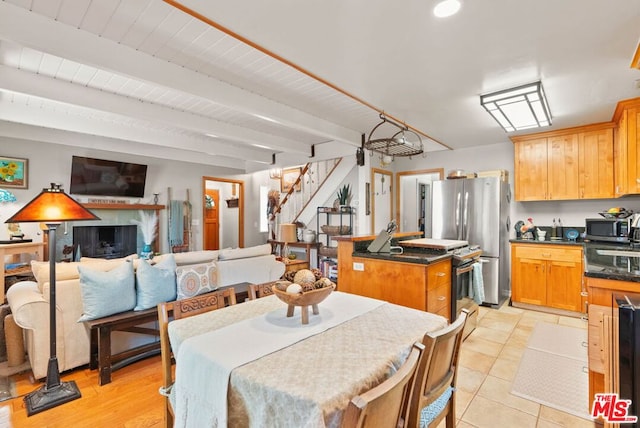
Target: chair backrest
point(203, 303)
point(437, 373)
point(182, 309)
point(383, 405)
point(257, 291)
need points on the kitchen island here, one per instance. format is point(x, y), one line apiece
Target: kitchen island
point(417, 278)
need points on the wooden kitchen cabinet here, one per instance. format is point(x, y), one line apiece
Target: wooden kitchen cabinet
point(572, 163)
point(627, 147)
point(426, 287)
point(547, 275)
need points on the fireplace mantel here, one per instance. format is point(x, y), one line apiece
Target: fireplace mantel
point(123, 206)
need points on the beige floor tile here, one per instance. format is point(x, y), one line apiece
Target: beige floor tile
point(499, 390)
point(512, 352)
point(498, 324)
point(511, 310)
point(463, 399)
point(483, 412)
point(530, 318)
point(505, 368)
point(519, 336)
point(573, 322)
point(475, 343)
point(563, 419)
point(463, 424)
point(491, 334)
point(504, 315)
point(469, 380)
point(476, 360)
point(546, 424)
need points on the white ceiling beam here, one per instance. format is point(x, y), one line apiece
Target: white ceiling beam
point(54, 89)
point(58, 39)
point(56, 136)
point(34, 115)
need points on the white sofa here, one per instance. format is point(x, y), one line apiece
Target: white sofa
point(29, 301)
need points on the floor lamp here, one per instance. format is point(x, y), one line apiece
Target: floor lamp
point(52, 206)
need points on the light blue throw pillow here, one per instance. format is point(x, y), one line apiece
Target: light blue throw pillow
point(155, 284)
point(106, 293)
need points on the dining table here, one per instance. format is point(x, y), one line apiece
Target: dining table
point(249, 365)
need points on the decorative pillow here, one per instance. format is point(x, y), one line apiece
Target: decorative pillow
point(63, 271)
point(155, 284)
point(241, 253)
point(196, 279)
point(106, 293)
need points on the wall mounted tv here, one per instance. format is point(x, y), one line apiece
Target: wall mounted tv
point(107, 178)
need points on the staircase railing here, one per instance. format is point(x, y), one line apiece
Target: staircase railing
point(310, 180)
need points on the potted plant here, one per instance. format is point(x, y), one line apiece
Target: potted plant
point(344, 196)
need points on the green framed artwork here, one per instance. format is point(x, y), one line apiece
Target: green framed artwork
point(14, 172)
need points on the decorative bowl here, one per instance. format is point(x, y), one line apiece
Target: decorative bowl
point(304, 300)
point(335, 230)
point(621, 214)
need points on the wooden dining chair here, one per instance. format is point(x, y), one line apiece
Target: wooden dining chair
point(434, 394)
point(257, 291)
point(383, 405)
point(182, 309)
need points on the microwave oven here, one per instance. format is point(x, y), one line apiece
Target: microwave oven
point(608, 229)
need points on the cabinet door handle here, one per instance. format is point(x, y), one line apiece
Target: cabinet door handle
point(440, 274)
point(546, 254)
point(441, 298)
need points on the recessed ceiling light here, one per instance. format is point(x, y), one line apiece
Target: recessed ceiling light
point(446, 8)
point(260, 146)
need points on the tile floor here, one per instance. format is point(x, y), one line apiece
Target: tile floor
point(489, 361)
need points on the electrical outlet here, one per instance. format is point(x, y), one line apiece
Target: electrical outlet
point(358, 266)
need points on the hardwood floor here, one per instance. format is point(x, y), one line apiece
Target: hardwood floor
point(131, 400)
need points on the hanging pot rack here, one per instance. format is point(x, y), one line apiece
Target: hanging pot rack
point(397, 144)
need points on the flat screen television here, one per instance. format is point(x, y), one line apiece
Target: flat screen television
point(107, 178)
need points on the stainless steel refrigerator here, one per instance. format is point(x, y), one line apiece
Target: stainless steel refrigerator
point(477, 211)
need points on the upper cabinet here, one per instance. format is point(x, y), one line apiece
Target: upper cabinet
point(573, 163)
point(627, 147)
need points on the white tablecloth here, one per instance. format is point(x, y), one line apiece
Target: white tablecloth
point(309, 383)
point(206, 361)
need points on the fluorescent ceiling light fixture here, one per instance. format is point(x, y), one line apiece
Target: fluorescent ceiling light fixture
point(523, 107)
point(211, 135)
point(446, 8)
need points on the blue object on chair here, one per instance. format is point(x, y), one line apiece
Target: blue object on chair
point(430, 412)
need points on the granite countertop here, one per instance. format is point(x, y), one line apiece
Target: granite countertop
point(547, 242)
point(407, 257)
point(612, 261)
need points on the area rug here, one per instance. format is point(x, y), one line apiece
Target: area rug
point(553, 369)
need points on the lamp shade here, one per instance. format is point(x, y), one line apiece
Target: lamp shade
point(288, 232)
point(52, 206)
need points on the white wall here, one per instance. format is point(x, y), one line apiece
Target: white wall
point(52, 163)
point(500, 156)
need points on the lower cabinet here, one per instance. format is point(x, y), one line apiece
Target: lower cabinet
point(547, 275)
point(418, 286)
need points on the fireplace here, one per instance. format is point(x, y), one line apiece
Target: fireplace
point(107, 242)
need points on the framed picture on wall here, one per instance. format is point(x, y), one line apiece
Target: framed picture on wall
point(289, 176)
point(14, 172)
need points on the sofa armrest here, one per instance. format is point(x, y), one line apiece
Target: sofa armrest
point(29, 308)
point(277, 270)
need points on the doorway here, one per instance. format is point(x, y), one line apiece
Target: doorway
point(382, 196)
point(413, 199)
point(223, 224)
